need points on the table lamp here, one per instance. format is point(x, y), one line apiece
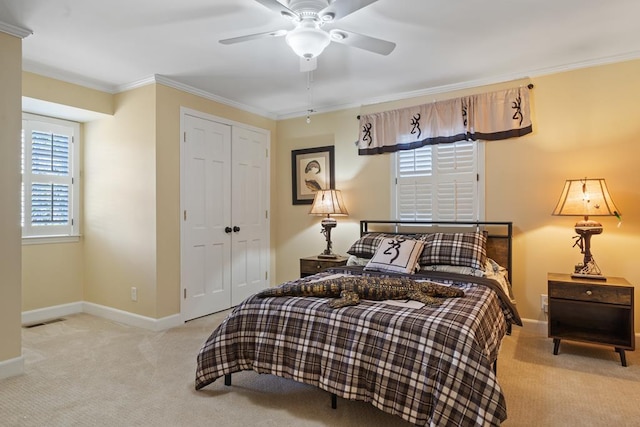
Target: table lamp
point(586, 197)
point(328, 202)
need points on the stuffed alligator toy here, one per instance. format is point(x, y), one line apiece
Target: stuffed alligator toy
point(351, 290)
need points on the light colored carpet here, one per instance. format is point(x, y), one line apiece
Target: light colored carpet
point(87, 371)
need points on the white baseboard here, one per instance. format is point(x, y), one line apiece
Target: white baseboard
point(48, 313)
point(12, 367)
point(131, 319)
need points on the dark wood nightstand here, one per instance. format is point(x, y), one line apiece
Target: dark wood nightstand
point(313, 264)
point(593, 311)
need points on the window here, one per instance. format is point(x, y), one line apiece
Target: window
point(49, 188)
point(440, 182)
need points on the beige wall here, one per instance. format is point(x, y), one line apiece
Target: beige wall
point(62, 281)
point(585, 124)
point(63, 93)
point(52, 274)
point(168, 104)
point(131, 190)
point(10, 233)
point(120, 204)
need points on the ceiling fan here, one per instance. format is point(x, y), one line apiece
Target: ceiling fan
point(308, 38)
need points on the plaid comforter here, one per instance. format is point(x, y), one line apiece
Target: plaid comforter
point(430, 366)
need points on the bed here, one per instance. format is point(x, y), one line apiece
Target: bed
point(428, 364)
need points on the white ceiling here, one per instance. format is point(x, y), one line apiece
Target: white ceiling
point(441, 45)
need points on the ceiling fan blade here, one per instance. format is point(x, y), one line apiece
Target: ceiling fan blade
point(361, 41)
point(308, 64)
point(240, 39)
point(341, 8)
point(278, 7)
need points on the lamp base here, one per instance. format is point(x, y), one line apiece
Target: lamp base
point(328, 256)
point(590, 270)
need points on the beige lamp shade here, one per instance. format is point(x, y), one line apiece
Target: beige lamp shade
point(328, 202)
point(586, 197)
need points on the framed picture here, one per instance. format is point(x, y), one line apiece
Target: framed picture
point(311, 170)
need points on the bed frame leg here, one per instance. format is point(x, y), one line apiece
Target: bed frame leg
point(227, 379)
point(334, 401)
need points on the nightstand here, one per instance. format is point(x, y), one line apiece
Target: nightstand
point(313, 264)
point(591, 310)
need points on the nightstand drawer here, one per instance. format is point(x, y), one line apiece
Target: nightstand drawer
point(592, 293)
point(313, 265)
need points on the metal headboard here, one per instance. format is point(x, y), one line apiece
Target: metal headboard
point(499, 237)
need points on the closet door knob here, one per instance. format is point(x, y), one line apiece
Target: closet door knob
point(236, 228)
point(227, 229)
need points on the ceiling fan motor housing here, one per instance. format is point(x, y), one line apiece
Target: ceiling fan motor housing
point(308, 8)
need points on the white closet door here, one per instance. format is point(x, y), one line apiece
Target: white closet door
point(206, 247)
point(249, 213)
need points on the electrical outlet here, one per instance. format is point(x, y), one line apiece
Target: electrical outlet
point(134, 294)
point(544, 303)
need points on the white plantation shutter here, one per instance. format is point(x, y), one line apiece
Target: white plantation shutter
point(48, 184)
point(439, 182)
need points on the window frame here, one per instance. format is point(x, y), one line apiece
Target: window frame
point(479, 163)
point(52, 233)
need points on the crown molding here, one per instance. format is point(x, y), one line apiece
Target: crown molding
point(629, 56)
point(166, 81)
point(14, 30)
point(294, 113)
point(43, 70)
point(169, 82)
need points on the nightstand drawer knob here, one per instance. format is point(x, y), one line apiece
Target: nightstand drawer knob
point(589, 293)
point(318, 266)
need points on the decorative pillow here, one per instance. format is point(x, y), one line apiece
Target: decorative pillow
point(460, 269)
point(398, 254)
point(498, 273)
point(464, 249)
point(366, 246)
point(354, 260)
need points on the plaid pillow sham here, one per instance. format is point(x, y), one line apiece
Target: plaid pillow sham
point(366, 246)
point(464, 249)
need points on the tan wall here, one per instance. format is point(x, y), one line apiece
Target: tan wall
point(131, 226)
point(10, 240)
point(120, 204)
point(584, 125)
point(69, 94)
point(52, 274)
point(169, 101)
point(62, 282)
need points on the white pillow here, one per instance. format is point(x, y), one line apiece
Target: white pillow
point(357, 261)
point(397, 254)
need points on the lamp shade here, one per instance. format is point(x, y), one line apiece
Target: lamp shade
point(586, 197)
point(328, 202)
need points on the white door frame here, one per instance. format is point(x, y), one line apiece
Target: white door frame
point(184, 111)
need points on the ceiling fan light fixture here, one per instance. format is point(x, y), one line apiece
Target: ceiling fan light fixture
point(308, 42)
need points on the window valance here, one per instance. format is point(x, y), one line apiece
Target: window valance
point(489, 116)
